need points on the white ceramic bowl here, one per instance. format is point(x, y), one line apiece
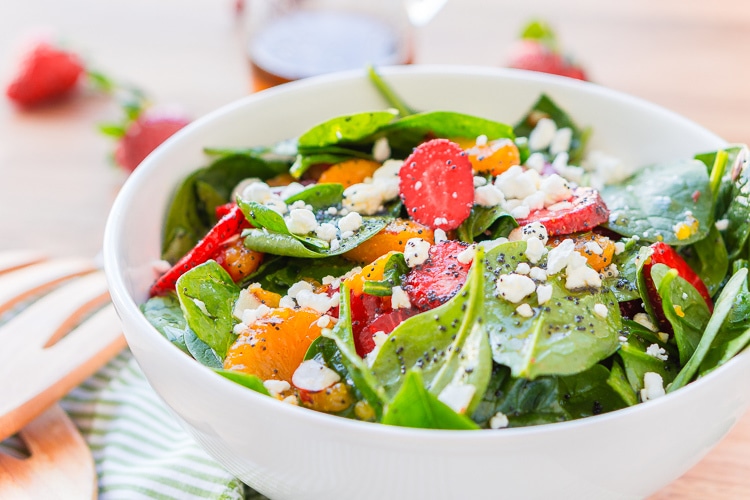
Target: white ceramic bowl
point(289, 452)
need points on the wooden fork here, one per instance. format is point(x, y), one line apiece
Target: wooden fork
point(57, 327)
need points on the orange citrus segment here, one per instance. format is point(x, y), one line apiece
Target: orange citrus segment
point(392, 238)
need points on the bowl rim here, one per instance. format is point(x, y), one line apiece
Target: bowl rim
point(126, 305)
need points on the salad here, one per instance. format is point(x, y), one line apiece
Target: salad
point(440, 270)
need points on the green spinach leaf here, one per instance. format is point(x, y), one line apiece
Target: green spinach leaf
point(201, 351)
point(207, 295)
point(345, 129)
point(709, 259)
point(319, 196)
point(164, 313)
point(395, 268)
point(244, 379)
point(494, 220)
point(414, 406)
point(564, 336)
point(657, 201)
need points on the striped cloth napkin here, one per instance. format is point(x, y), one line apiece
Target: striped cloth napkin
point(139, 448)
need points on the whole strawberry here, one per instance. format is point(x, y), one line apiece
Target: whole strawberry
point(538, 50)
point(142, 135)
point(47, 73)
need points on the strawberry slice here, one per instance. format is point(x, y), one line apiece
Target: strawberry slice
point(582, 212)
point(439, 278)
point(437, 184)
point(665, 254)
point(209, 247)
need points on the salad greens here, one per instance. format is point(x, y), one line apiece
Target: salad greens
point(333, 295)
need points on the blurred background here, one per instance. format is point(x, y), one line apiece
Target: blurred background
point(58, 179)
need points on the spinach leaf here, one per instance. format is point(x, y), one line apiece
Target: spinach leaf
point(281, 273)
point(164, 314)
point(684, 308)
point(191, 212)
point(435, 342)
point(494, 220)
point(244, 379)
point(276, 240)
point(637, 363)
point(201, 351)
point(625, 285)
point(563, 337)
point(410, 131)
point(328, 155)
point(618, 381)
point(207, 295)
point(709, 259)
point(319, 196)
point(734, 334)
point(721, 310)
point(395, 268)
point(359, 373)
point(414, 406)
point(388, 93)
point(659, 203)
point(737, 213)
point(345, 129)
point(545, 107)
point(282, 152)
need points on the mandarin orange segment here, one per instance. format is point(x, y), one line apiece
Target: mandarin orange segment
point(265, 297)
point(238, 260)
point(372, 272)
point(283, 179)
point(274, 346)
point(595, 259)
point(349, 172)
point(333, 399)
point(392, 238)
point(493, 157)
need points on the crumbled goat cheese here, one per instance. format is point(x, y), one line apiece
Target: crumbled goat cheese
point(416, 252)
point(538, 274)
point(318, 302)
point(287, 302)
point(523, 268)
point(488, 196)
point(579, 275)
point(479, 181)
point(326, 231)
point(658, 352)
point(601, 310)
point(314, 376)
point(561, 141)
point(653, 386)
point(381, 150)
point(558, 257)
point(520, 212)
point(536, 162)
point(301, 221)
point(722, 224)
point(335, 245)
point(254, 190)
point(525, 310)
point(379, 339)
point(543, 294)
point(515, 287)
point(457, 395)
point(543, 134)
point(593, 247)
point(440, 235)
point(276, 387)
point(466, 256)
point(298, 287)
point(534, 201)
point(643, 319)
point(555, 189)
point(499, 421)
point(201, 305)
point(440, 221)
point(323, 321)
point(518, 183)
point(399, 298)
point(534, 250)
point(619, 247)
point(481, 140)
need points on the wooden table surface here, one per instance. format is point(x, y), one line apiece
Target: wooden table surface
point(57, 184)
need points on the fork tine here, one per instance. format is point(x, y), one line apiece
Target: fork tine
point(21, 283)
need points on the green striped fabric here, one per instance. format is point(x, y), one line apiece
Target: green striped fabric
point(139, 448)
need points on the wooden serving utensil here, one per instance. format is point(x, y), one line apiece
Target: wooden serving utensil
point(57, 327)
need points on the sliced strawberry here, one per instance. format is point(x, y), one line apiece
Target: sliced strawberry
point(665, 254)
point(209, 247)
point(46, 73)
point(584, 211)
point(143, 135)
point(437, 184)
point(439, 278)
point(365, 309)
